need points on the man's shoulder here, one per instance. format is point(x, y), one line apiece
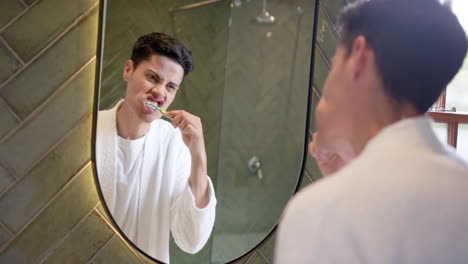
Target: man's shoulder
point(105, 121)
point(307, 214)
point(456, 158)
point(106, 114)
point(334, 191)
point(104, 111)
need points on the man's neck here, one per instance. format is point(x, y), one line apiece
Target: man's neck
point(382, 116)
point(129, 126)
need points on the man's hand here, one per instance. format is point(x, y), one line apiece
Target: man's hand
point(191, 128)
point(328, 163)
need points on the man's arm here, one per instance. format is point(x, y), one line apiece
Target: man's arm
point(192, 135)
point(198, 180)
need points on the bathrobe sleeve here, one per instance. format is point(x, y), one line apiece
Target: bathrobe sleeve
point(191, 226)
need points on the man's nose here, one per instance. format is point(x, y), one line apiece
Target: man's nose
point(158, 90)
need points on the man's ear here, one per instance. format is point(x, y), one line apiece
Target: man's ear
point(128, 70)
point(360, 56)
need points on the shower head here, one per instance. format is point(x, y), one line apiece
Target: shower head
point(299, 11)
point(265, 17)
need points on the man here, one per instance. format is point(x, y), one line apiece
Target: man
point(153, 174)
point(399, 195)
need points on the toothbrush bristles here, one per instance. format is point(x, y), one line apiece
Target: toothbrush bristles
point(162, 111)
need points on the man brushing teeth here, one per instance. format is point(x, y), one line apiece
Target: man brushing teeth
point(153, 175)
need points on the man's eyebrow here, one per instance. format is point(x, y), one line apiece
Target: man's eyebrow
point(155, 73)
point(159, 77)
point(173, 83)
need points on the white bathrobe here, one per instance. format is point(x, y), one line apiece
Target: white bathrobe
point(162, 200)
point(403, 200)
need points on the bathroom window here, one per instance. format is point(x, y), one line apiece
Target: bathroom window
point(450, 113)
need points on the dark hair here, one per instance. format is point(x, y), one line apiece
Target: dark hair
point(419, 45)
point(164, 45)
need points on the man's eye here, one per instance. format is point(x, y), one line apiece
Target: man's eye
point(172, 87)
point(151, 77)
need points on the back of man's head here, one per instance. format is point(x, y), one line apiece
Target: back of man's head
point(419, 45)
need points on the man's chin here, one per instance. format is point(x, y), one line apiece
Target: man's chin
point(340, 146)
point(328, 142)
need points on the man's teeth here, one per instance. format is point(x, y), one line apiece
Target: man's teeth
point(154, 103)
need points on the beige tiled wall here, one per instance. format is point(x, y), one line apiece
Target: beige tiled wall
point(50, 210)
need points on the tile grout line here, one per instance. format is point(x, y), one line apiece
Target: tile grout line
point(323, 56)
point(44, 155)
point(17, 17)
point(308, 176)
point(10, 109)
point(116, 232)
point(260, 252)
point(101, 249)
point(9, 171)
point(8, 188)
point(111, 226)
point(75, 22)
point(4, 226)
point(251, 257)
point(137, 254)
point(24, 3)
point(10, 49)
point(331, 20)
point(46, 102)
point(44, 207)
point(315, 92)
point(13, 76)
point(57, 245)
point(314, 88)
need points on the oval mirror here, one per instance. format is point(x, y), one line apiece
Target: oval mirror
point(245, 105)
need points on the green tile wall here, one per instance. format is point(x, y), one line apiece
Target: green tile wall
point(30, 33)
point(8, 10)
point(8, 63)
point(48, 197)
point(4, 236)
point(116, 252)
point(7, 119)
point(30, 2)
point(33, 190)
point(5, 179)
point(327, 37)
point(93, 230)
point(54, 64)
point(50, 123)
point(50, 210)
point(51, 226)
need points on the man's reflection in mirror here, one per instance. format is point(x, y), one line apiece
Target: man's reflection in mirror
point(153, 173)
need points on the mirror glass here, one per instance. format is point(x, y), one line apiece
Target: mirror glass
point(249, 88)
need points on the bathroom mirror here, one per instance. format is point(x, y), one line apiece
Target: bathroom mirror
point(250, 89)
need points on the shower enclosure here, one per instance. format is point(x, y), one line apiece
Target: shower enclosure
point(249, 86)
